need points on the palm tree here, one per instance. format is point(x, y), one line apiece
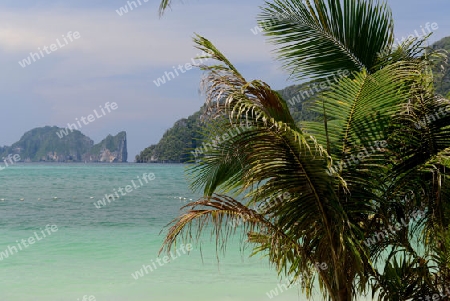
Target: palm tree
point(163, 6)
point(345, 176)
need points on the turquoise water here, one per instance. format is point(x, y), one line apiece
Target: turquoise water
point(94, 252)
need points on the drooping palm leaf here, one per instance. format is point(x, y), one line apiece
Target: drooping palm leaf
point(273, 157)
point(223, 215)
point(323, 217)
point(163, 6)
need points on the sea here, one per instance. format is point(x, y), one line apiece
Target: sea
point(66, 236)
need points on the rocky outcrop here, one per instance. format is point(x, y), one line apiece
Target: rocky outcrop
point(111, 149)
point(54, 144)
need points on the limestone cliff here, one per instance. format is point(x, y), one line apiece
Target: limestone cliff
point(111, 149)
point(54, 144)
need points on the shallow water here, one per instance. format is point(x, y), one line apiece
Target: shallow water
point(94, 252)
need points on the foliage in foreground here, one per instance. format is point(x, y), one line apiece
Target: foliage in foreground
point(384, 133)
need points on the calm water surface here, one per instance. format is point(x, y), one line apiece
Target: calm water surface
point(94, 252)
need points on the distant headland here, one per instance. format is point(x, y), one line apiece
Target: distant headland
point(43, 144)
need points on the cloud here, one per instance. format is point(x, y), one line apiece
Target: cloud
point(117, 59)
point(114, 44)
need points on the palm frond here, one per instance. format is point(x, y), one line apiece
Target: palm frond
point(404, 278)
point(359, 112)
point(272, 157)
point(318, 38)
point(165, 4)
point(222, 215)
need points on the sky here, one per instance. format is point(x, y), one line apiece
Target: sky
point(101, 56)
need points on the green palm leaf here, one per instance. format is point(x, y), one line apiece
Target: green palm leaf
point(163, 6)
point(359, 112)
point(273, 157)
point(318, 38)
point(325, 214)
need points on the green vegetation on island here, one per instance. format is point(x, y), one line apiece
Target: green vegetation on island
point(179, 141)
point(110, 149)
point(442, 70)
point(50, 144)
point(176, 143)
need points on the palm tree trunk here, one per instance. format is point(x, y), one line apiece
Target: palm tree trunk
point(344, 294)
